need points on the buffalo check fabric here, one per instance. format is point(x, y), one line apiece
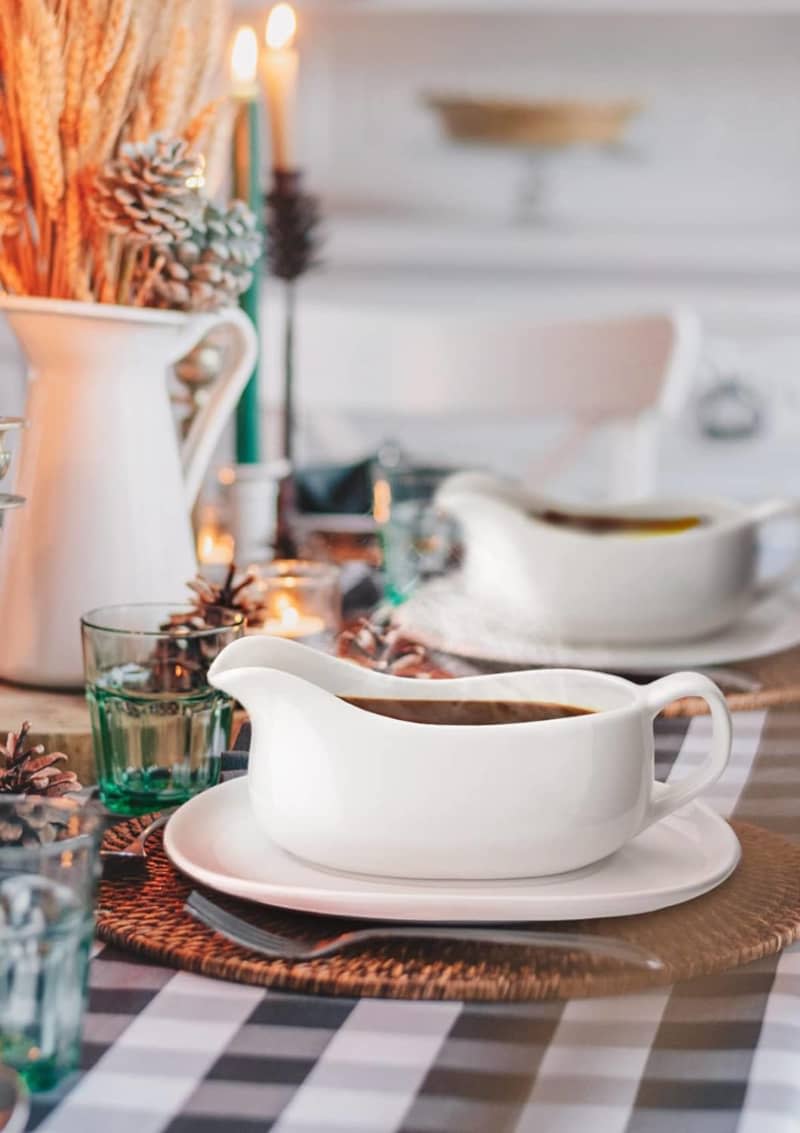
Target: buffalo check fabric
point(170, 1052)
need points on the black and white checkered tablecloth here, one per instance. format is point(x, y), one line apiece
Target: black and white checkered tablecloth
point(170, 1051)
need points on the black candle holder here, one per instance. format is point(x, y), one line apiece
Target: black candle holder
point(292, 226)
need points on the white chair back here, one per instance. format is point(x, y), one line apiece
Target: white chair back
point(624, 371)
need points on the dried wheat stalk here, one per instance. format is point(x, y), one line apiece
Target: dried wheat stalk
point(209, 36)
point(78, 79)
point(199, 126)
point(118, 91)
point(10, 278)
point(110, 48)
point(43, 144)
point(217, 148)
point(169, 83)
point(41, 25)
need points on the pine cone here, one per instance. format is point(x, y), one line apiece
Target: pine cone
point(292, 224)
point(11, 207)
point(181, 660)
point(31, 772)
point(384, 648)
point(213, 265)
point(238, 595)
point(37, 822)
point(148, 195)
point(234, 595)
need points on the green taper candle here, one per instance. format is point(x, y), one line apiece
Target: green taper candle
point(247, 187)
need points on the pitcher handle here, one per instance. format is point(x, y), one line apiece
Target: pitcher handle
point(223, 395)
point(670, 797)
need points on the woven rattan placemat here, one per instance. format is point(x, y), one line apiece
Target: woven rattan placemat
point(774, 682)
point(755, 913)
point(777, 681)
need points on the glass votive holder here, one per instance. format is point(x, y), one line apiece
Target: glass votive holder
point(418, 539)
point(302, 601)
point(214, 544)
point(7, 425)
point(49, 867)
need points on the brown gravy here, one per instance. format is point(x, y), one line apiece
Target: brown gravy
point(621, 525)
point(466, 711)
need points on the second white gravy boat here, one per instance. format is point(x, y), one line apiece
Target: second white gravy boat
point(573, 585)
point(351, 790)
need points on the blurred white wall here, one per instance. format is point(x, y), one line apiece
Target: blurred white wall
point(702, 205)
point(717, 142)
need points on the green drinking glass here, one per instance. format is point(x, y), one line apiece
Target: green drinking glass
point(158, 727)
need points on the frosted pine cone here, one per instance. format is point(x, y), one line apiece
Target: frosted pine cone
point(148, 195)
point(214, 265)
point(10, 205)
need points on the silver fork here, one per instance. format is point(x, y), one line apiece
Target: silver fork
point(136, 849)
point(284, 948)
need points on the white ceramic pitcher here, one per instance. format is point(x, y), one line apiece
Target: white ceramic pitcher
point(108, 487)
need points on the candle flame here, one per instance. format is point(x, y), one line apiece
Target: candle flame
point(288, 614)
point(281, 26)
point(381, 501)
point(214, 547)
point(244, 57)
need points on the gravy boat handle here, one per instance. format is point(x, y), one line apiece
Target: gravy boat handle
point(672, 796)
point(766, 513)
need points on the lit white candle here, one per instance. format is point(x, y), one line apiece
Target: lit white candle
point(279, 67)
point(244, 65)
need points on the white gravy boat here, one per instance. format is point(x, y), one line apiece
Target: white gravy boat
point(570, 585)
point(355, 791)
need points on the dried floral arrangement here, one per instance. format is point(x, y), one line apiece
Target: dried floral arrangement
point(111, 131)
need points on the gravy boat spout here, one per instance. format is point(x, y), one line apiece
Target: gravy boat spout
point(251, 672)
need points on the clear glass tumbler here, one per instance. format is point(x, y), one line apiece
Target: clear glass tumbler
point(48, 876)
point(158, 727)
point(418, 540)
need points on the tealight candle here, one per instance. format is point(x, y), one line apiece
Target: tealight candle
point(214, 545)
point(302, 600)
point(291, 623)
point(214, 548)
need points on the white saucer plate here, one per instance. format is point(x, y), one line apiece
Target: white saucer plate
point(441, 616)
point(214, 839)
